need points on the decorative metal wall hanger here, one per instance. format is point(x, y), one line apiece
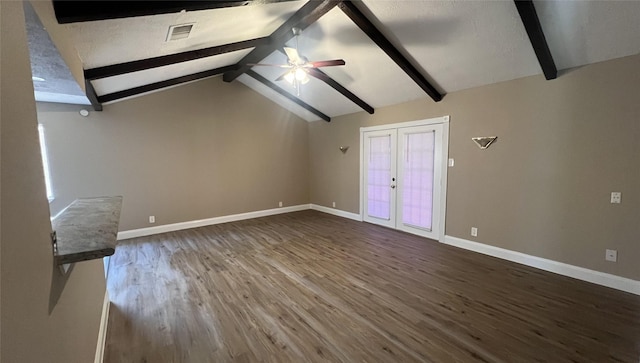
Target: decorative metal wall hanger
point(484, 142)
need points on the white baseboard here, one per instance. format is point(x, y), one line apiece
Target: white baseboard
point(102, 333)
point(337, 212)
point(207, 222)
point(580, 273)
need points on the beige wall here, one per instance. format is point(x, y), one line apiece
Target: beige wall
point(32, 329)
point(198, 151)
point(544, 187)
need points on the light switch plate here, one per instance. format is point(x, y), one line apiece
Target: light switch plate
point(451, 162)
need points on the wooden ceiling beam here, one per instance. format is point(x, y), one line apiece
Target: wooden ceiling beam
point(92, 96)
point(308, 14)
point(317, 73)
point(286, 94)
point(165, 60)
point(68, 11)
point(162, 84)
point(377, 37)
point(531, 23)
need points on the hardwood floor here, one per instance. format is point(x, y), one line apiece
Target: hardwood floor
point(311, 287)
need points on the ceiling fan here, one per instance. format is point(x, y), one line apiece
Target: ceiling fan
point(299, 67)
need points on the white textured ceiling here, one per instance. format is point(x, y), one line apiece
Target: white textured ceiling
point(461, 44)
point(584, 32)
point(277, 98)
point(457, 44)
point(105, 42)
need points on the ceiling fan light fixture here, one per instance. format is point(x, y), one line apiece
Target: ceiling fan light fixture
point(290, 77)
point(297, 75)
point(298, 65)
point(301, 76)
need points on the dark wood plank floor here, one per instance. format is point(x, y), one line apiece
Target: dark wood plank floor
point(311, 287)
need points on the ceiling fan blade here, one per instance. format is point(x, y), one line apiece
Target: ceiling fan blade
point(316, 73)
point(270, 65)
point(326, 63)
point(293, 55)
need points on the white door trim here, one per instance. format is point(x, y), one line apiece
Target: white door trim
point(444, 120)
point(429, 121)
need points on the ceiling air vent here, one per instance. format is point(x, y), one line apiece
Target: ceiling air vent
point(181, 31)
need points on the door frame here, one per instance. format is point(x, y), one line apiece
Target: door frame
point(444, 120)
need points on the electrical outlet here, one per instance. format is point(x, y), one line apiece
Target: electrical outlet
point(279, 204)
point(474, 231)
point(611, 255)
point(152, 219)
point(333, 204)
point(451, 162)
point(616, 197)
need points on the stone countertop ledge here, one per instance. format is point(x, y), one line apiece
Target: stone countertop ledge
point(87, 229)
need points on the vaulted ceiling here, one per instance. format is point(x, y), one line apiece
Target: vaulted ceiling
point(450, 45)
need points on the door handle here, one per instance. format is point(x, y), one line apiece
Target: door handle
point(393, 186)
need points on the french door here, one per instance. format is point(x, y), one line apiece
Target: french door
point(380, 177)
point(404, 176)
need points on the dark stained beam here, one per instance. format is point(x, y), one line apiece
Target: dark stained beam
point(308, 14)
point(163, 84)
point(317, 73)
point(531, 23)
point(140, 65)
point(92, 95)
point(288, 95)
point(377, 37)
point(71, 11)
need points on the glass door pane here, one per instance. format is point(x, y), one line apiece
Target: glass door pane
point(379, 183)
point(379, 177)
point(417, 179)
point(420, 179)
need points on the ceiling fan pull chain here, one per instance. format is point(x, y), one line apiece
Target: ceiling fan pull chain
point(297, 48)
